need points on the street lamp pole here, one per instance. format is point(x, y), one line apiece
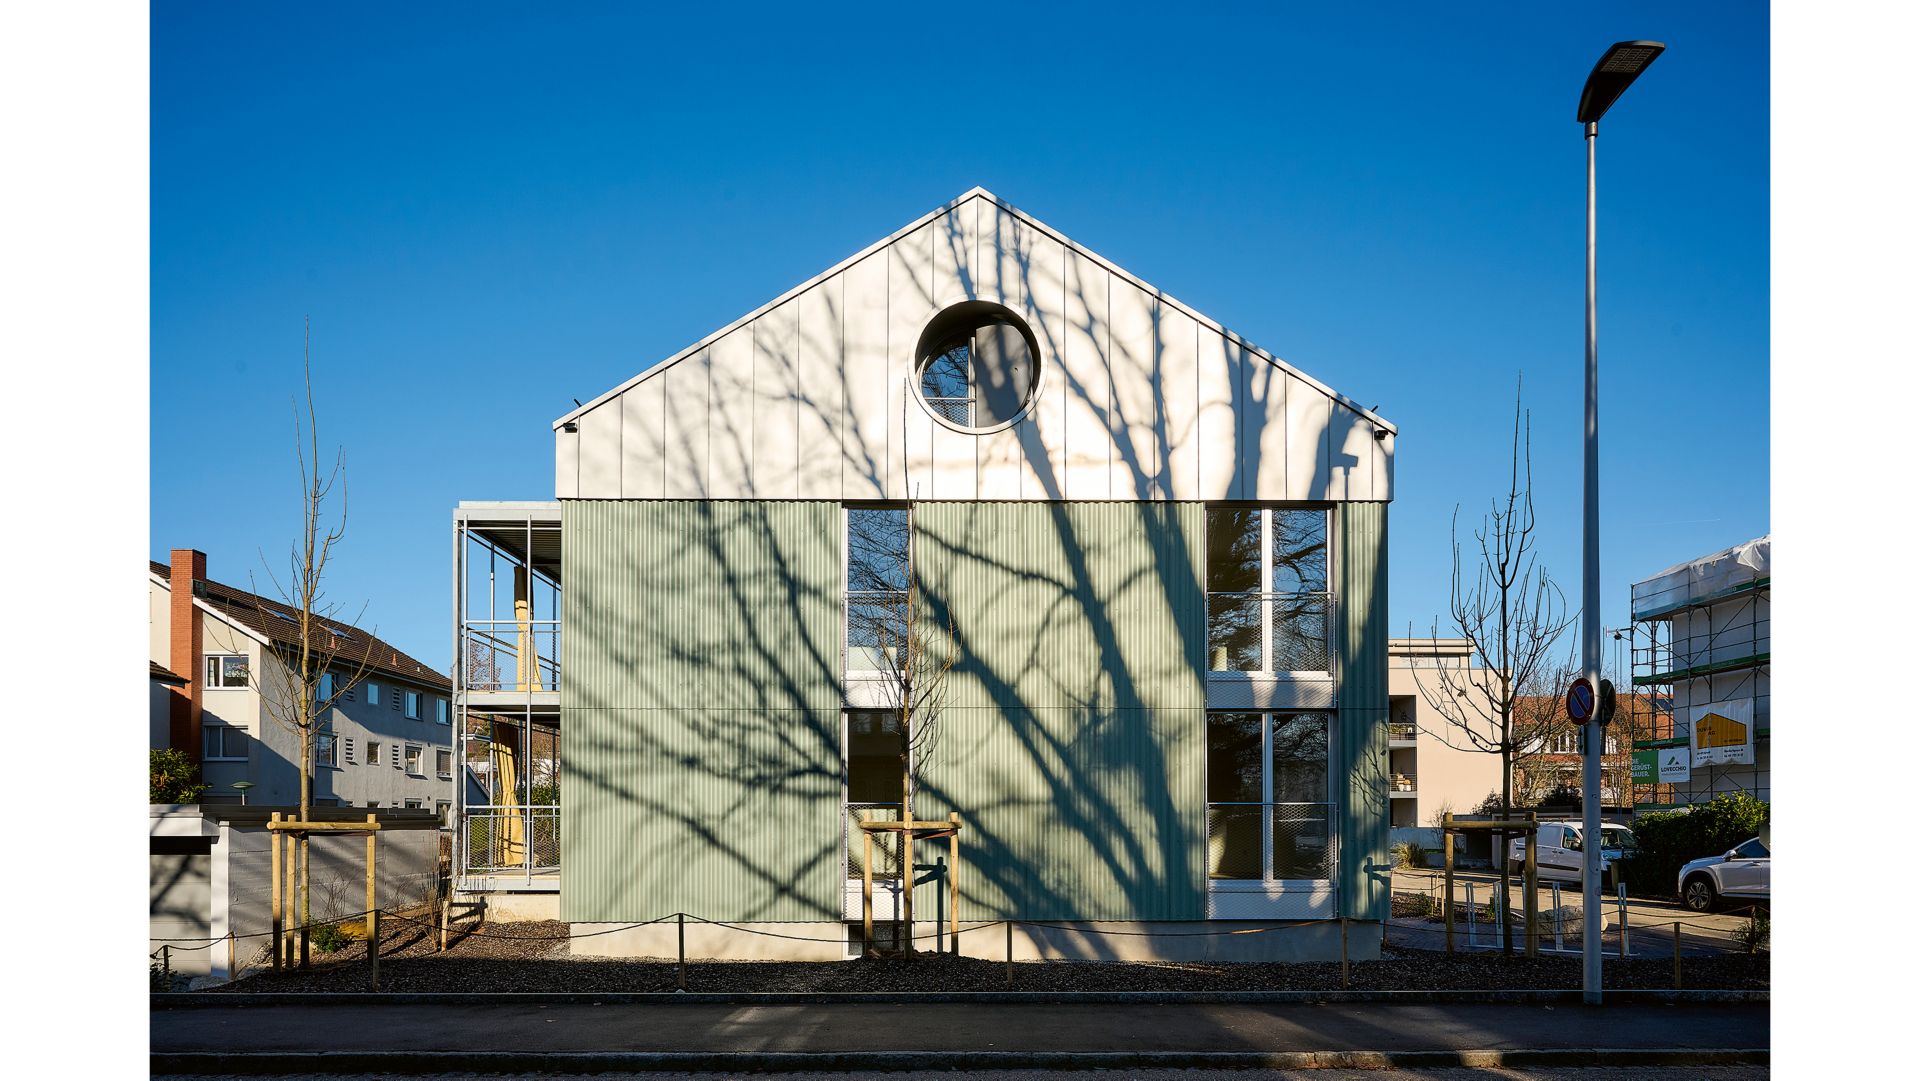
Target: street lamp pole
point(1618, 67)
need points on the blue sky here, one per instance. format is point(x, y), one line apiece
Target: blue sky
point(488, 211)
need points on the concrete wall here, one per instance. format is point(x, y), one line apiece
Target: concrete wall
point(1235, 940)
point(811, 396)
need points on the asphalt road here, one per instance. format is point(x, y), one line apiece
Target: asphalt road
point(1614, 1073)
point(953, 1027)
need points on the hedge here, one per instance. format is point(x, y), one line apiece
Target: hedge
point(1665, 841)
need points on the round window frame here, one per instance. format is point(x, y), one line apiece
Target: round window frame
point(975, 313)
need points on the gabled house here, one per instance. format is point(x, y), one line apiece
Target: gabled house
point(1151, 553)
point(389, 743)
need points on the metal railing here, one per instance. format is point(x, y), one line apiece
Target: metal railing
point(490, 651)
point(503, 839)
point(1402, 733)
point(1270, 841)
point(1270, 632)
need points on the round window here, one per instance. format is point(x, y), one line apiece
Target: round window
point(977, 367)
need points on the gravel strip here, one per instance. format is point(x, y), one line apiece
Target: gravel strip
point(533, 957)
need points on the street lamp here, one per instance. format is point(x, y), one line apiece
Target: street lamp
point(1619, 66)
point(241, 787)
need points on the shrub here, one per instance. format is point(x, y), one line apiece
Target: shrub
point(1409, 854)
point(329, 937)
point(172, 777)
point(1755, 933)
point(1664, 841)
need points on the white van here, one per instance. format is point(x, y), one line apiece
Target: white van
point(1561, 855)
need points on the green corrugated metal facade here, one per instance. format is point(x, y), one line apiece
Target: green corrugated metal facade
point(1360, 557)
point(702, 693)
point(700, 710)
point(1073, 740)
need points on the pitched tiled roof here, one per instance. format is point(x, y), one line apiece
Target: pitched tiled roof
point(156, 670)
point(277, 623)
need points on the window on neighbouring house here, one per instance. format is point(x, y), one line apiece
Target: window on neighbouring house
point(1268, 813)
point(323, 690)
point(413, 759)
point(373, 693)
point(413, 705)
point(414, 805)
point(442, 711)
point(223, 743)
point(443, 763)
point(373, 752)
point(227, 671)
point(443, 808)
point(326, 750)
point(1268, 598)
point(877, 540)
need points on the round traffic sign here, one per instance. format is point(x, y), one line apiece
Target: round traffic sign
point(1580, 700)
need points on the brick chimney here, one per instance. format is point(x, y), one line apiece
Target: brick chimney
point(186, 567)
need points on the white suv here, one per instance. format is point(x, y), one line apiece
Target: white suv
point(1745, 871)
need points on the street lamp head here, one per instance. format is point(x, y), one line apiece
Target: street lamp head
point(1619, 66)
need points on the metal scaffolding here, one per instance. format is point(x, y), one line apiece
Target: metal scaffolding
point(506, 696)
point(1694, 643)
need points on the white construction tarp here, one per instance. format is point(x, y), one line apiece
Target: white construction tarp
point(1699, 579)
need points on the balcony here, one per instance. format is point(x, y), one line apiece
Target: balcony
point(1402, 734)
point(1401, 784)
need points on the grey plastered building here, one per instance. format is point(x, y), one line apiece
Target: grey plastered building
point(1154, 553)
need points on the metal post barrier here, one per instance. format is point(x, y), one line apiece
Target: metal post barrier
point(682, 978)
point(1343, 953)
point(1446, 906)
point(1624, 949)
point(1473, 938)
point(1559, 920)
point(166, 967)
point(373, 949)
point(1009, 955)
point(232, 972)
point(1676, 955)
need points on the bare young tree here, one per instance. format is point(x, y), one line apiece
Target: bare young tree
point(916, 648)
point(1514, 615)
point(324, 658)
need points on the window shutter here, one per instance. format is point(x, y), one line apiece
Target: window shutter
point(349, 750)
point(396, 756)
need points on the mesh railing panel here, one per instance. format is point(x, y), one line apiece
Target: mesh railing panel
point(1233, 841)
point(1302, 841)
point(886, 846)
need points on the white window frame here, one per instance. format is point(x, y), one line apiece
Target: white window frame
point(1267, 882)
point(373, 752)
point(412, 708)
point(1267, 596)
point(332, 742)
point(413, 805)
point(215, 662)
point(205, 729)
point(437, 752)
point(846, 584)
point(413, 759)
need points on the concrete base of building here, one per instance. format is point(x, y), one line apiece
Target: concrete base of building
point(515, 907)
point(1200, 940)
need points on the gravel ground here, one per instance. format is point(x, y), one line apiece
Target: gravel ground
point(533, 957)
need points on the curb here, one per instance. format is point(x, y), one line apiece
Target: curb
point(586, 1062)
point(200, 1000)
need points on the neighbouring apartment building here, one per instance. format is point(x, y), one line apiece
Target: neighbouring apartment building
point(1432, 766)
point(1148, 556)
point(387, 744)
point(1702, 654)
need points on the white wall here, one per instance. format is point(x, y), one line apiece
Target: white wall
point(1140, 396)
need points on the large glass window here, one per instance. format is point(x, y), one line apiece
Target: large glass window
point(876, 773)
point(1268, 812)
point(877, 539)
point(1268, 600)
point(977, 366)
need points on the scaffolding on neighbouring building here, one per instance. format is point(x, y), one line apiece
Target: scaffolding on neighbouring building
point(506, 696)
point(1701, 652)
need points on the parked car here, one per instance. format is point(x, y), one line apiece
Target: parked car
point(1745, 871)
point(1560, 853)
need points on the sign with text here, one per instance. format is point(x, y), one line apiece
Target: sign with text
point(1723, 734)
point(1675, 765)
point(1646, 767)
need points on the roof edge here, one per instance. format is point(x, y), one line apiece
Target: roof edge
point(971, 193)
